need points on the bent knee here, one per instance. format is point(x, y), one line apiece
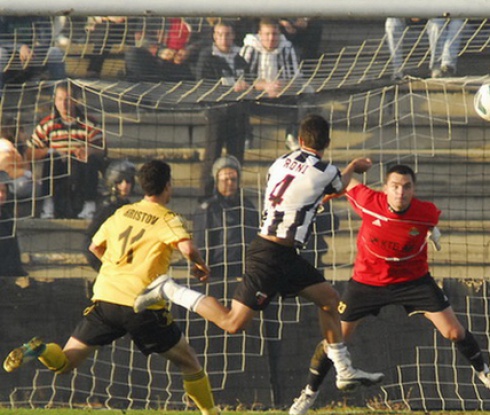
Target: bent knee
point(454, 335)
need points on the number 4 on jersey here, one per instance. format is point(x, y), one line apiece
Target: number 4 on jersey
point(276, 196)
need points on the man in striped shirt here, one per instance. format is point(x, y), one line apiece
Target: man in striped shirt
point(273, 62)
point(271, 57)
point(72, 151)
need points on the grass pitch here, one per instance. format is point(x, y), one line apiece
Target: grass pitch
point(343, 411)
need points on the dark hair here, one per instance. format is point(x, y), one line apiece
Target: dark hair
point(154, 176)
point(402, 169)
point(226, 23)
point(315, 132)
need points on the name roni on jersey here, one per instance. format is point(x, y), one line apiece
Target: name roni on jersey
point(295, 165)
point(141, 216)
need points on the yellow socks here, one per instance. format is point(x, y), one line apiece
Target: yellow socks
point(54, 358)
point(199, 390)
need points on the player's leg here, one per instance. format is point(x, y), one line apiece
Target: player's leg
point(196, 381)
point(320, 365)
point(450, 328)
point(352, 310)
point(326, 298)
point(164, 287)
point(155, 331)
point(231, 319)
point(424, 296)
point(49, 354)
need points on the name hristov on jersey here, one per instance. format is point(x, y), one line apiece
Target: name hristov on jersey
point(141, 216)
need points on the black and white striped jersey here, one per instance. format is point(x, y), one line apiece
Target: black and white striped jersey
point(296, 184)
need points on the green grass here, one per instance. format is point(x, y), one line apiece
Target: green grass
point(340, 411)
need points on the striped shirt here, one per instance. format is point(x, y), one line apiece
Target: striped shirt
point(280, 63)
point(58, 134)
point(296, 185)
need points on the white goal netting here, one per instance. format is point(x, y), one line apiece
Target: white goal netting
point(427, 123)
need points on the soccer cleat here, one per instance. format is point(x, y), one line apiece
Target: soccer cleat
point(152, 294)
point(304, 402)
point(23, 354)
point(351, 379)
point(484, 376)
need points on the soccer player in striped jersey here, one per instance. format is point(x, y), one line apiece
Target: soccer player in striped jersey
point(391, 268)
point(297, 185)
point(135, 246)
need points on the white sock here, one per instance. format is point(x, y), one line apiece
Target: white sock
point(338, 354)
point(183, 296)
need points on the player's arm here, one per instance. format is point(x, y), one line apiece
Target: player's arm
point(359, 165)
point(97, 250)
point(190, 252)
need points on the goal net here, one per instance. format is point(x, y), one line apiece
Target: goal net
point(428, 123)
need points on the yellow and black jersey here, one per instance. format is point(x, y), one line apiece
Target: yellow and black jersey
point(139, 240)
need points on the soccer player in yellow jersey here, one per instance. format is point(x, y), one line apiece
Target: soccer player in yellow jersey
point(135, 245)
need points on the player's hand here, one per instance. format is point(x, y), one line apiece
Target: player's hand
point(362, 164)
point(201, 272)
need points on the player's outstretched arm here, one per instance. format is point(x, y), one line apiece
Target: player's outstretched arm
point(359, 165)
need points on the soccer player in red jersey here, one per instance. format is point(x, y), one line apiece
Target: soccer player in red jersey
point(391, 268)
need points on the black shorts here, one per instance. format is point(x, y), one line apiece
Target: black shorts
point(153, 331)
point(419, 296)
point(271, 268)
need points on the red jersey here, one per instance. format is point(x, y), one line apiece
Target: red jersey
point(392, 247)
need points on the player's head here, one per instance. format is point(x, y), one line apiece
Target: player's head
point(119, 177)
point(226, 174)
point(314, 132)
point(154, 177)
point(399, 187)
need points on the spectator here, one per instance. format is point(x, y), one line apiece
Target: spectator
point(271, 57)
point(10, 265)
point(227, 222)
point(120, 180)
point(227, 125)
point(444, 40)
point(12, 149)
point(144, 62)
point(71, 148)
point(104, 32)
point(394, 29)
point(273, 62)
point(25, 49)
point(305, 34)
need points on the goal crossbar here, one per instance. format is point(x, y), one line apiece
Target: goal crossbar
point(313, 8)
